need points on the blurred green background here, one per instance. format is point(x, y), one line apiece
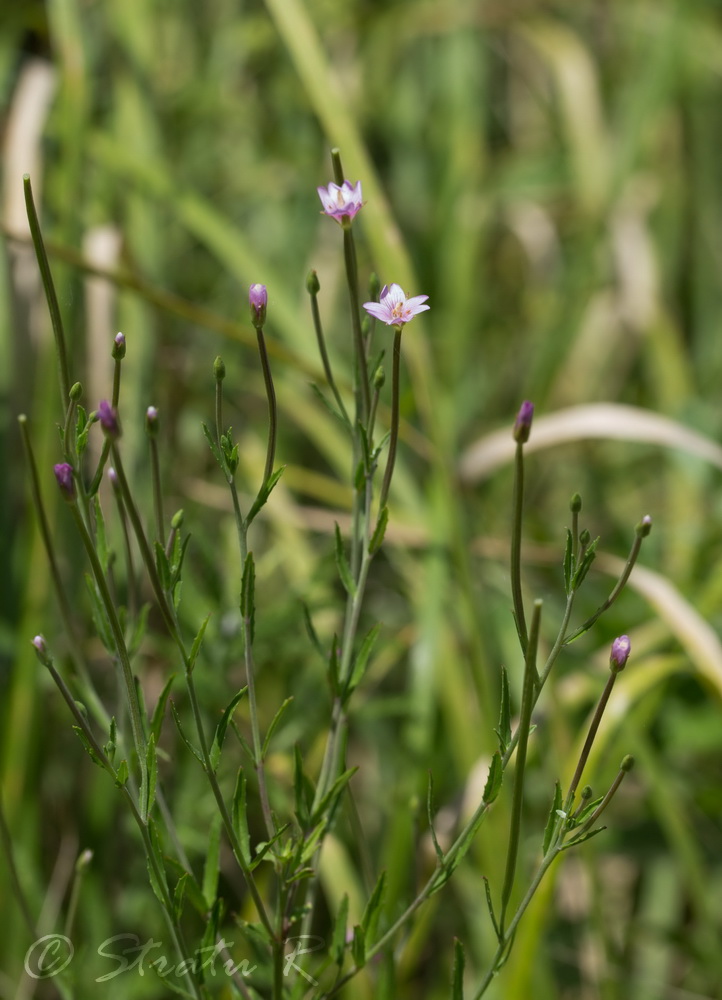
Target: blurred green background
point(549, 174)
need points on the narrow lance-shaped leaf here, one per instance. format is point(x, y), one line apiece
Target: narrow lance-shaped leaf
point(338, 940)
point(274, 725)
point(430, 815)
point(212, 865)
point(248, 595)
point(494, 779)
point(240, 815)
point(159, 710)
point(457, 981)
point(379, 531)
point(176, 718)
point(220, 733)
point(197, 643)
point(364, 653)
point(504, 730)
point(553, 818)
point(342, 565)
point(264, 493)
point(370, 918)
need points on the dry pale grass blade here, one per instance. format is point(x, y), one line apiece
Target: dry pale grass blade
point(605, 421)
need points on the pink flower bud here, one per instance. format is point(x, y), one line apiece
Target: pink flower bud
point(522, 424)
point(621, 648)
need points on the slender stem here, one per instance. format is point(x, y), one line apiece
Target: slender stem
point(136, 723)
point(593, 727)
point(616, 591)
point(321, 340)
point(527, 704)
point(349, 255)
point(516, 530)
point(157, 489)
point(395, 395)
point(272, 409)
point(19, 892)
point(50, 294)
point(604, 803)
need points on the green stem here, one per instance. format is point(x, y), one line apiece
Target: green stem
point(50, 294)
point(362, 381)
point(394, 436)
point(516, 530)
point(527, 704)
point(157, 489)
point(594, 726)
point(331, 381)
point(272, 408)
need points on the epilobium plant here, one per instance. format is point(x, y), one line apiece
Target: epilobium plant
point(280, 871)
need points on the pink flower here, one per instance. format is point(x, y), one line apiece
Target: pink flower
point(621, 648)
point(394, 308)
point(341, 202)
point(64, 476)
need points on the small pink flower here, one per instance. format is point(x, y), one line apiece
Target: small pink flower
point(341, 202)
point(621, 648)
point(108, 418)
point(394, 308)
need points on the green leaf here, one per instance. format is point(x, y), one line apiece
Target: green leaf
point(213, 445)
point(302, 790)
point(450, 866)
point(122, 773)
point(101, 544)
point(457, 980)
point(333, 667)
point(585, 564)
point(338, 940)
point(490, 908)
point(584, 814)
point(162, 565)
point(568, 562)
point(362, 658)
point(265, 846)
point(156, 722)
point(82, 431)
point(379, 531)
point(370, 918)
point(112, 745)
point(342, 565)
point(553, 818)
point(504, 730)
point(88, 746)
point(149, 780)
point(160, 888)
point(239, 815)
point(329, 406)
point(274, 725)
point(176, 718)
point(264, 493)
point(100, 618)
point(494, 779)
point(179, 895)
point(582, 838)
point(139, 630)
point(430, 814)
point(329, 800)
point(358, 947)
point(197, 643)
point(248, 596)
point(312, 634)
point(191, 890)
point(212, 865)
point(220, 733)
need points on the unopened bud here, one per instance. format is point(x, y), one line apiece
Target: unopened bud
point(76, 391)
point(258, 299)
point(313, 285)
point(64, 475)
point(522, 424)
point(108, 418)
point(151, 421)
point(584, 537)
point(644, 527)
point(177, 520)
point(379, 377)
point(627, 764)
point(219, 369)
point(621, 648)
point(575, 504)
point(118, 347)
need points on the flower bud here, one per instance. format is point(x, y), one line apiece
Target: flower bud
point(108, 418)
point(177, 519)
point(151, 421)
point(258, 299)
point(313, 285)
point(76, 391)
point(575, 504)
point(118, 352)
point(64, 475)
point(41, 647)
point(113, 477)
point(219, 369)
point(584, 537)
point(379, 377)
point(621, 648)
point(522, 424)
point(644, 527)
point(627, 763)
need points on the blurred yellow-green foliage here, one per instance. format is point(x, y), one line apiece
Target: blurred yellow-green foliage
point(549, 174)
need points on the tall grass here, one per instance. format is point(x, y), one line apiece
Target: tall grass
point(548, 174)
